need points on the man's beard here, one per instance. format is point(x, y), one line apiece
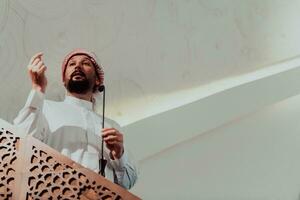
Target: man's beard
point(78, 86)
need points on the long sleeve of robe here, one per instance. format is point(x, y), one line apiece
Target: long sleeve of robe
point(73, 128)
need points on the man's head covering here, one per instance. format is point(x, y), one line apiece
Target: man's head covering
point(90, 55)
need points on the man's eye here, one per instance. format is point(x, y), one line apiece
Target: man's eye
point(71, 64)
point(87, 63)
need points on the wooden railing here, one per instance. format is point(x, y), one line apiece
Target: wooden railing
point(31, 170)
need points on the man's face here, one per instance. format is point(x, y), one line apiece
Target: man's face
point(80, 75)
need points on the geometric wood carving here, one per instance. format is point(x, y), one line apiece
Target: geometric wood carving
point(8, 156)
point(31, 170)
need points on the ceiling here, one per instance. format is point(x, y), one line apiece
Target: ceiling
point(157, 55)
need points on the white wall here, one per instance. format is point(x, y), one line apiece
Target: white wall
point(255, 157)
point(149, 48)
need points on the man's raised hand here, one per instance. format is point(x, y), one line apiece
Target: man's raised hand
point(36, 70)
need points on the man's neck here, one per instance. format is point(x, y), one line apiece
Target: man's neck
point(88, 96)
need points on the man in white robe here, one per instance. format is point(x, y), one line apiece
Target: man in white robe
point(71, 126)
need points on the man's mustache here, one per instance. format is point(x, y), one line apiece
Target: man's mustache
point(75, 73)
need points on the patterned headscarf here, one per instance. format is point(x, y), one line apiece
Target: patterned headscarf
point(91, 56)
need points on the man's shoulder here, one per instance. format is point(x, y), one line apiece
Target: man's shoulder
point(53, 102)
point(52, 105)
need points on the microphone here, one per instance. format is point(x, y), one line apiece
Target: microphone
point(102, 161)
point(101, 88)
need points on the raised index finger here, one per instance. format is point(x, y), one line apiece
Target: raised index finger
point(37, 55)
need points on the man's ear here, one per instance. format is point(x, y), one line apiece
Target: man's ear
point(97, 83)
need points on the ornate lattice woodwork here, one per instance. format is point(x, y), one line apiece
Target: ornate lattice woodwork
point(8, 157)
point(31, 170)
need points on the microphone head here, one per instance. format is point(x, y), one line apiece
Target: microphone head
point(101, 88)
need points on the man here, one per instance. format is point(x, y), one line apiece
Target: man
point(72, 127)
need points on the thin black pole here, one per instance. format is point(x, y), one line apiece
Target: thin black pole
point(102, 161)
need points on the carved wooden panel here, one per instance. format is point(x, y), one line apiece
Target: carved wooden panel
point(8, 157)
point(31, 170)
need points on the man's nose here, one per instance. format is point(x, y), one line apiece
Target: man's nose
point(78, 66)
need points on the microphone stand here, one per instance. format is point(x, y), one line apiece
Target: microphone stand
point(102, 161)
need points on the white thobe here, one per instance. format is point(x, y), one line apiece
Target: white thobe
point(73, 128)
